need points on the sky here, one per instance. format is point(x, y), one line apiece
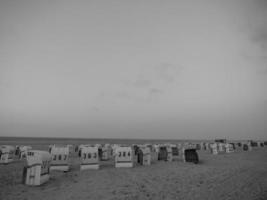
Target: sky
point(134, 69)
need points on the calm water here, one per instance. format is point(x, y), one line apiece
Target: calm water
point(48, 141)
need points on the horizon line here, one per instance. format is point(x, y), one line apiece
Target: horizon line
point(93, 138)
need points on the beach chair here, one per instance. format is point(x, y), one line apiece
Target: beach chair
point(190, 155)
point(247, 146)
point(89, 158)
point(163, 153)
point(106, 152)
point(123, 157)
point(175, 152)
point(60, 158)
point(23, 150)
point(214, 148)
point(6, 154)
point(144, 156)
point(221, 148)
point(169, 153)
point(229, 148)
point(198, 146)
point(37, 171)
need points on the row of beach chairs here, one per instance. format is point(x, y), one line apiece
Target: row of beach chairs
point(40, 163)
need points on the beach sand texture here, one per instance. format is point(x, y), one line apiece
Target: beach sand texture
point(239, 175)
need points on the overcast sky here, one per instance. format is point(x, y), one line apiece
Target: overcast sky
point(134, 69)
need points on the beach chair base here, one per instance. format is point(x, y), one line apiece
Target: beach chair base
point(122, 165)
point(6, 161)
point(63, 168)
point(89, 166)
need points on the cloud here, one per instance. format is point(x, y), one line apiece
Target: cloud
point(167, 72)
point(123, 95)
point(254, 15)
point(260, 35)
point(257, 23)
point(148, 96)
point(95, 108)
point(148, 85)
point(141, 83)
point(145, 95)
point(153, 91)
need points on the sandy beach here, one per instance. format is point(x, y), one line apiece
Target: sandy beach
point(239, 175)
point(92, 87)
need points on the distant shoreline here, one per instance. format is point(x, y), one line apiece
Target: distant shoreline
point(15, 138)
point(77, 138)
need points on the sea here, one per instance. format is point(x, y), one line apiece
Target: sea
point(77, 141)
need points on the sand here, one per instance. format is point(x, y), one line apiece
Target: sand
point(239, 175)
